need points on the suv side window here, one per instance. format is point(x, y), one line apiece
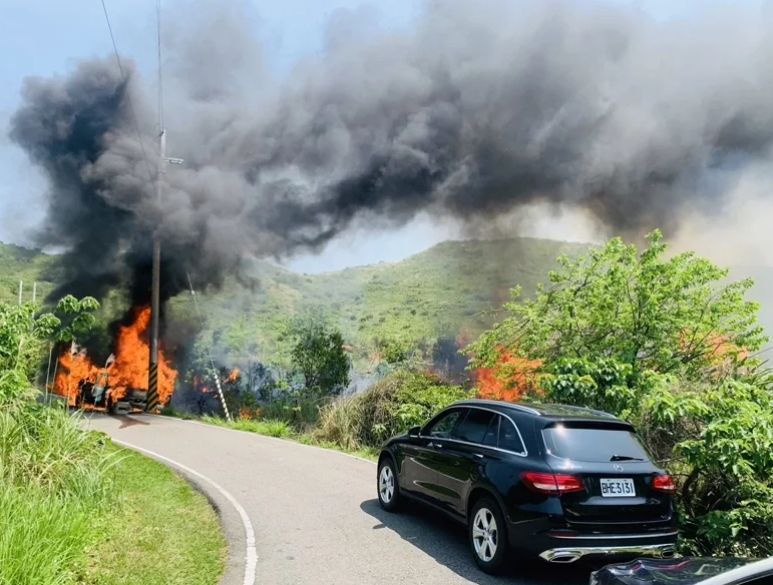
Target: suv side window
point(474, 426)
point(443, 426)
point(509, 438)
point(492, 434)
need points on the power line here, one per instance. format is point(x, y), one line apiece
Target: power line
point(125, 79)
point(160, 71)
point(209, 349)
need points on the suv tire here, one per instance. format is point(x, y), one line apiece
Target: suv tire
point(387, 486)
point(487, 534)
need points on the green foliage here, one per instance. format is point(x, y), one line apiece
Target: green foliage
point(22, 336)
point(25, 334)
point(52, 482)
point(389, 407)
point(51, 473)
point(669, 344)
point(645, 310)
point(603, 384)
point(300, 412)
point(75, 318)
point(318, 354)
point(268, 427)
point(722, 437)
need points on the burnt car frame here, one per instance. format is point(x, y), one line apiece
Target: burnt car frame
point(687, 571)
point(529, 479)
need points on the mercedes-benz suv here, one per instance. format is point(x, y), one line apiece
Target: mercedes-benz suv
point(554, 481)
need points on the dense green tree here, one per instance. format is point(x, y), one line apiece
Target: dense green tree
point(319, 355)
point(645, 310)
point(25, 333)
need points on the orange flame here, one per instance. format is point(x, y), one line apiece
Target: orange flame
point(129, 370)
point(73, 367)
point(234, 375)
point(511, 378)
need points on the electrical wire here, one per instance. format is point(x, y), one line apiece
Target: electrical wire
point(125, 79)
point(209, 351)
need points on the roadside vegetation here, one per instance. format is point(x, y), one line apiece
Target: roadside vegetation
point(668, 342)
point(671, 343)
point(68, 499)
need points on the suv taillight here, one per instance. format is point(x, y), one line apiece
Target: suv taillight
point(552, 483)
point(663, 483)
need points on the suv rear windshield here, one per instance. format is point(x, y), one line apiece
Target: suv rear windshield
point(593, 444)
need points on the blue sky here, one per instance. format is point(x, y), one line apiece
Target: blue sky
point(47, 37)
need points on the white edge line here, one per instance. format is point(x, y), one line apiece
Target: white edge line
point(269, 437)
point(251, 554)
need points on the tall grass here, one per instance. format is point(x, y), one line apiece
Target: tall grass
point(52, 482)
point(391, 406)
point(42, 536)
point(43, 446)
point(272, 428)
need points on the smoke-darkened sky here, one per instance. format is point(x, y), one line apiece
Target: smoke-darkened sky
point(473, 114)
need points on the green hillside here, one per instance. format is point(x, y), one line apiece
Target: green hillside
point(448, 291)
point(438, 298)
point(17, 263)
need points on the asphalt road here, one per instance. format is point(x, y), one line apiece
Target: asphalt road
point(314, 513)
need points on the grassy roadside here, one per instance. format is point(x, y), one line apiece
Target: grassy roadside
point(281, 430)
point(159, 531)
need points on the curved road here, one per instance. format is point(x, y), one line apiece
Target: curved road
point(314, 512)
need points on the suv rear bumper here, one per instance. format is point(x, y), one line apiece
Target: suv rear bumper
point(557, 544)
point(571, 554)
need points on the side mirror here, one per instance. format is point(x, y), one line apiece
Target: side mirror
point(414, 431)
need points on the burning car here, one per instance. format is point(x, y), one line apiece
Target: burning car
point(121, 384)
point(97, 395)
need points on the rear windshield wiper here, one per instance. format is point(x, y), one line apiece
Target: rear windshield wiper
point(625, 458)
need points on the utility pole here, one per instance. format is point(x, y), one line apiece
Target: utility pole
point(155, 294)
point(21, 291)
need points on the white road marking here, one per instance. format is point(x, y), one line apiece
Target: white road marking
point(251, 554)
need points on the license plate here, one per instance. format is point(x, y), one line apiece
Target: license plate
point(617, 488)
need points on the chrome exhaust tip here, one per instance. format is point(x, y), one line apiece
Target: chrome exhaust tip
point(569, 555)
point(561, 556)
point(565, 558)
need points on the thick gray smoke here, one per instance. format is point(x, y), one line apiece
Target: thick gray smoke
point(480, 108)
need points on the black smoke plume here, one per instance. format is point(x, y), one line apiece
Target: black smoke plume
point(481, 107)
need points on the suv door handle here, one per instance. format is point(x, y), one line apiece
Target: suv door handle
point(478, 455)
point(434, 445)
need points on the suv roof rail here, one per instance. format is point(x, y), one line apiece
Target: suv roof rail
point(501, 404)
point(548, 410)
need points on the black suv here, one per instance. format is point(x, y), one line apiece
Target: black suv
point(556, 481)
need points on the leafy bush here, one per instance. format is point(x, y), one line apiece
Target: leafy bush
point(389, 407)
point(669, 344)
point(721, 440)
point(318, 354)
